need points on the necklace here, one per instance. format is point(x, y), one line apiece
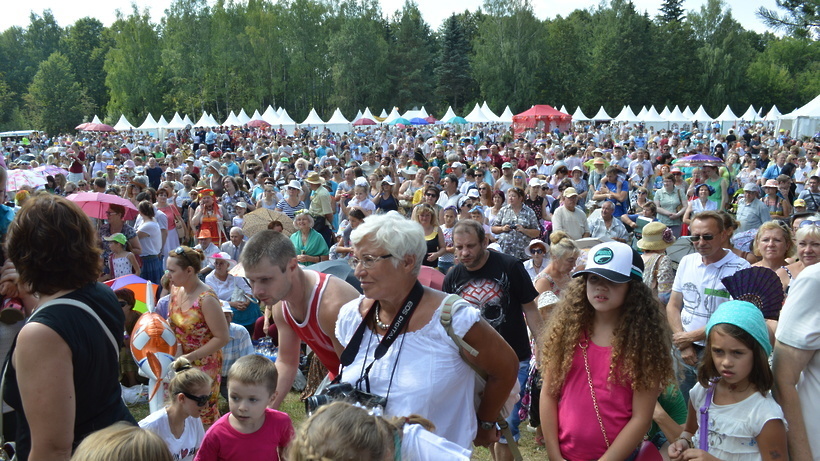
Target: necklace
point(379, 323)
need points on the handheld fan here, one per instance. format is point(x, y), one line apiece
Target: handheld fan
point(760, 286)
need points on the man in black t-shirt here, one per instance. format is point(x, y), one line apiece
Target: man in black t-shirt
point(499, 286)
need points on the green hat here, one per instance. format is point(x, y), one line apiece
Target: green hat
point(119, 238)
point(745, 316)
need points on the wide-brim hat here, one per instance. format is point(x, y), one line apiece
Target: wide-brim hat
point(656, 236)
point(770, 183)
point(204, 234)
point(294, 184)
point(222, 256)
point(535, 242)
point(314, 178)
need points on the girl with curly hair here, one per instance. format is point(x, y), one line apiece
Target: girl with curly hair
point(604, 359)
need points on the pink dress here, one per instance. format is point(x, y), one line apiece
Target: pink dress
point(192, 332)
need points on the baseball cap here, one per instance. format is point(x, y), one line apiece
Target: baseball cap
point(751, 187)
point(570, 192)
point(506, 165)
point(118, 237)
point(800, 202)
point(614, 261)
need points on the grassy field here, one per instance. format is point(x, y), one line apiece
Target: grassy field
point(296, 409)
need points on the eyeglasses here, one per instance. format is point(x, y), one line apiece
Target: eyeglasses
point(642, 192)
point(518, 177)
point(537, 251)
point(482, 188)
point(706, 237)
point(429, 195)
point(810, 222)
point(201, 400)
point(367, 260)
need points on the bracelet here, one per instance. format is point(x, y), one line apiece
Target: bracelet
point(688, 442)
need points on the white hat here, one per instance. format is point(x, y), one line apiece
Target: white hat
point(222, 256)
point(614, 261)
point(534, 242)
point(294, 184)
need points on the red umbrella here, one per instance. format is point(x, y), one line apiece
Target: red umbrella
point(364, 121)
point(430, 119)
point(82, 126)
point(258, 123)
point(96, 204)
point(98, 127)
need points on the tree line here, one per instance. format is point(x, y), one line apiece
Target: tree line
point(323, 54)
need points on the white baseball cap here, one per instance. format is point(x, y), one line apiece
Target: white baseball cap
point(614, 261)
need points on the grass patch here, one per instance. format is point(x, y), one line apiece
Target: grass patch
point(296, 409)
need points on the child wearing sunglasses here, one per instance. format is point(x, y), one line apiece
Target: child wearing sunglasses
point(251, 431)
point(178, 424)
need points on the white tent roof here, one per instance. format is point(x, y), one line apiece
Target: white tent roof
point(601, 115)
point(652, 116)
point(727, 115)
point(367, 114)
point(394, 114)
point(489, 113)
point(477, 116)
point(700, 115)
point(313, 119)
point(232, 120)
point(507, 115)
point(96, 120)
point(563, 109)
point(187, 120)
point(149, 124)
point(176, 122)
point(642, 114)
point(162, 123)
point(256, 115)
point(270, 116)
point(337, 117)
point(812, 109)
point(123, 124)
point(383, 114)
point(203, 121)
point(212, 121)
point(676, 116)
point(687, 112)
point(665, 112)
point(804, 121)
point(284, 118)
point(358, 115)
point(449, 114)
point(243, 117)
point(773, 114)
point(579, 116)
point(626, 115)
point(750, 115)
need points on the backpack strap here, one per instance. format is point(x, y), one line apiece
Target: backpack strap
point(89, 311)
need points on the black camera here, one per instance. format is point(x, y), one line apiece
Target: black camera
point(343, 392)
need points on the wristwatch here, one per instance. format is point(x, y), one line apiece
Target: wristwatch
point(486, 425)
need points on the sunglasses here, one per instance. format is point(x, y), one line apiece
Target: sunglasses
point(201, 400)
point(429, 195)
point(706, 237)
point(810, 222)
point(537, 251)
point(180, 251)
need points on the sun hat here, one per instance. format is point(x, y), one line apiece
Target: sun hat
point(314, 178)
point(599, 161)
point(614, 261)
point(473, 193)
point(570, 192)
point(294, 184)
point(770, 183)
point(241, 204)
point(118, 237)
point(506, 165)
point(534, 242)
point(656, 236)
point(204, 234)
point(388, 182)
point(222, 256)
point(745, 316)
point(751, 187)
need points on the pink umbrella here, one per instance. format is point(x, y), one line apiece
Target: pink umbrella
point(19, 178)
point(364, 121)
point(50, 170)
point(430, 119)
point(431, 277)
point(258, 124)
point(82, 126)
point(98, 127)
point(96, 204)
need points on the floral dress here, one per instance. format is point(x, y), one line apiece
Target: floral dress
point(192, 333)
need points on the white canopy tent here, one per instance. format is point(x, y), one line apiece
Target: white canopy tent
point(256, 115)
point(578, 115)
point(232, 120)
point(642, 114)
point(700, 115)
point(367, 114)
point(394, 114)
point(149, 124)
point(449, 114)
point(563, 109)
point(313, 119)
point(477, 116)
point(687, 113)
point(96, 120)
point(676, 116)
point(415, 113)
point(162, 123)
point(489, 113)
point(123, 124)
point(337, 122)
point(176, 122)
point(271, 116)
point(203, 121)
point(750, 115)
point(654, 119)
point(602, 115)
point(626, 115)
point(804, 121)
point(728, 120)
point(359, 115)
point(507, 116)
point(243, 117)
point(383, 115)
point(773, 114)
point(665, 112)
point(187, 120)
point(284, 119)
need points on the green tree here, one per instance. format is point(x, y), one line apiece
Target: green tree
point(453, 80)
point(307, 80)
point(134, 68)
point(568, 55)
point(42, 37)
point(185, 44)
point(55, 99)
point(801, 18)
point(671, 11)
point(85, 47)
point(7, 103)
point(412, 51)
point(17, 68)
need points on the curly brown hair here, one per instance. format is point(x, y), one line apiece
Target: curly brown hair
point(53, 245)
point(640, 346)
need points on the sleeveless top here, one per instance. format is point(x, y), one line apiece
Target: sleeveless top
point(432, 246)
point(98, 396)
point(388, 204)
point(309, 329)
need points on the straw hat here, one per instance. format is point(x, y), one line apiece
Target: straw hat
point(314, 178)
point(656, 236)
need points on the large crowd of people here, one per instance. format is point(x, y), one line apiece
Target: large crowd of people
point(580, 272)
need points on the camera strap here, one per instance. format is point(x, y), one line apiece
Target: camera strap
point(396, 327)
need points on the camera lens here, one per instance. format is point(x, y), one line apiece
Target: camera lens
point(314, 402)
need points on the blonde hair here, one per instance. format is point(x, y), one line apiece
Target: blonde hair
point(791, 247)
point(254, 370)
point(187, 378)
point(122, 442)
point(562, 245)
point(425, 208)
point(341, 432)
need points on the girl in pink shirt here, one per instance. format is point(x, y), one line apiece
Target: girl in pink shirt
point(604, 358)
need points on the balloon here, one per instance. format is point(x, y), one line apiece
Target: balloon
point(153, 345)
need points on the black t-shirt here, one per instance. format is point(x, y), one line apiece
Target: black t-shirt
point(154, 176)
point(96, 367)
point(498, 290)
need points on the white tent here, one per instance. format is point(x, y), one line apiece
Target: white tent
point(176, 122)
point(212, 121)
point(203, 121)
point(727, 115)
point(578, 115)
point(489, 113)
point(256, 115)
point(665, 112)
point(367, 114)
point(750, 115)
point(626, 115)
point(602, 115)
point(232, 120)
point(96, 120)
point(187, 120)
point(284, 119)
point(359, 114)
point(243, 117)
point(654, 119)
point(338, 123)
point(123, 124)
point(642, 114)
point(449, 114)
point(394, 114)
point(162, 123)
point(773, 114)
point(383, 114)
point(507, 115)
point(804, 121)
point(149, 124)
point(313, 119)
point(477, 116)
point(271, 116)
point(563, 109)
point(687, 113)
point(700, 115)
point(676, 116)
